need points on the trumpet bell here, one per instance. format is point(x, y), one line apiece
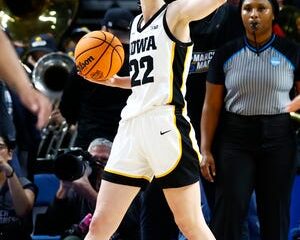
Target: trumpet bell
point(25, 18)
point(51, 73)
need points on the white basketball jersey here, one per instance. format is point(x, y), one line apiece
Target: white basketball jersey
point(159, 65)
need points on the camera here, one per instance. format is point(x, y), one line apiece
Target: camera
point(71, 164)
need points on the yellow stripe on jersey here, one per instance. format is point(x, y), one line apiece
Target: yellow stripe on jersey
point(186, 68)
point(195, 146)
point(171, 80)
point(185, 74)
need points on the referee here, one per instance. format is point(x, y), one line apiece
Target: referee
point(252, 77)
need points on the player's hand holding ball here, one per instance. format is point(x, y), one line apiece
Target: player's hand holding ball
point(99, 55)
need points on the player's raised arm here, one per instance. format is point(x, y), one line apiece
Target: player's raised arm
point(181, 12)
point(193, 10)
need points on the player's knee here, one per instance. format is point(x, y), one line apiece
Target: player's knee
point(189, 226)
point(93, 228)
point(101, 223)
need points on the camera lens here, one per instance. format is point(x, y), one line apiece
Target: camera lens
point(69, 167)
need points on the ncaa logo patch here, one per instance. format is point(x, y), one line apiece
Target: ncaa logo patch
point(275, 61)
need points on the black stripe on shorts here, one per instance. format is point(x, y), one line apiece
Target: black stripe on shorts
point(188, 169)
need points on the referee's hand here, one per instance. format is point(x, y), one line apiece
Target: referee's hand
point(294, 105)
point(208, 169)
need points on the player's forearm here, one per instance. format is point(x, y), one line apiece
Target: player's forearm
point(210, 115)
point(22, 202)
point(120, 82)
point(11, 70)
point(209, 122)
point(193, 10)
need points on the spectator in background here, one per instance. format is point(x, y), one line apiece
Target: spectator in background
point(294, 3)
point(17, 197)
point(96, 108)
point(288, 20)
point(80, 176)
point(39, 46)
point(70, 40)
point(252, 77)
point(117, 21)
point(27, 138)
point(77, 194)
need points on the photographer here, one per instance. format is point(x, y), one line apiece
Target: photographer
point(80, 176)
point(17, 196)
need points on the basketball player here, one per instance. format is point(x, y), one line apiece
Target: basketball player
point(155, 137)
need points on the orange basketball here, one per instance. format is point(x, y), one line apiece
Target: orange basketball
point(98, 55)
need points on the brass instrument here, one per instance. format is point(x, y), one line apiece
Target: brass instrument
point(54, 138)
point(26, 18)
point(49, 76)
point(51, 73)
point(26, 68)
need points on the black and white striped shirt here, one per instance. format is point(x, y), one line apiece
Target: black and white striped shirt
point(257, 81)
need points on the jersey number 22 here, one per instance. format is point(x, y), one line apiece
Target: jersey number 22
point(146, 63)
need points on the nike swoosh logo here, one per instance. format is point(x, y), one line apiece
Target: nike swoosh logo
point(164, 132)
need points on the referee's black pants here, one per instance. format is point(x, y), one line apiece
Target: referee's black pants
point(255, 153)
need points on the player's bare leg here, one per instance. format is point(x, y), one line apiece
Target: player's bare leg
point(185, 203)
point(112, 203)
